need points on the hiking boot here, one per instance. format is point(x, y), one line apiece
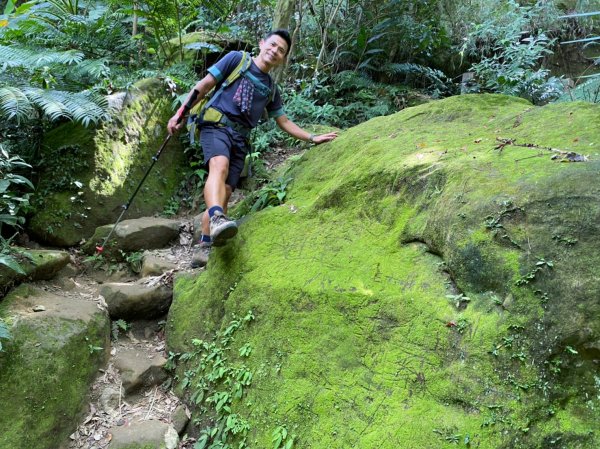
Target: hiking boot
point(221, 229)
point(200, 255)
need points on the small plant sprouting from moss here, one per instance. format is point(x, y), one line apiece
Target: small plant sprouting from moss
point(134, 260)
point(281, 439)
point(215, 382)
point(460, 300)
point(92, 348)
point(273, 194)
point(96, 260)
point(566, 240)
point(530, 276)
point(117, 327)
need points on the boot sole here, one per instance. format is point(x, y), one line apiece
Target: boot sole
point(220, 238)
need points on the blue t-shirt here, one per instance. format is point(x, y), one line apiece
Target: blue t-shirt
point(226, 103)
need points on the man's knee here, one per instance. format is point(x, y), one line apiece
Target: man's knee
point(218, 166)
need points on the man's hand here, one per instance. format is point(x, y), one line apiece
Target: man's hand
point(322, 138)
point(175, 124)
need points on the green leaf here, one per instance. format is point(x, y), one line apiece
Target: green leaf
point(9, 8)
point(11, 263)
point(4, 184)
point(202, 442)
point(10, 220)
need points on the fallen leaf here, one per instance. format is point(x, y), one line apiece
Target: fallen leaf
point(571, 156)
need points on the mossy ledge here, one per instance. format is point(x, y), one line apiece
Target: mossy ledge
point(93, 172)
point(423, 286)
point(47, 366)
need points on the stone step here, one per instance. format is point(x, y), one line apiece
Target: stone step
point(139, 369)
point(144, 299)
point(134, 235)
point(151, 434)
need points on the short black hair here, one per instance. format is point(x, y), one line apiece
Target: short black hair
point(284, 34)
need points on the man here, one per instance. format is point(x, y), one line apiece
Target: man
point(224, 144)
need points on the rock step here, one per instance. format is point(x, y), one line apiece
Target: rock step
point(131, 403)
point(134, 235)
point(139, 369)
point(148, 298)
point(148, 434)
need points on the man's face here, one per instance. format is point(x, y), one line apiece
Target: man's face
point(273, 50)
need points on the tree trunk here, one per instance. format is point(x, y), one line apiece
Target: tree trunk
point(134, 30)
point(281, 19)
point(283, 13)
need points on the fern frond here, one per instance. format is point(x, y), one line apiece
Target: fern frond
point(94, 68)
point(30, 58)
point(14, 104)
point(433, 75)
point(85, 107)
point(350, 79)
point(47, 101)
point(588, 91)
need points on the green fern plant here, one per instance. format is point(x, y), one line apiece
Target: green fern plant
point(22, 103)
point(12, 202)
point(432, 80)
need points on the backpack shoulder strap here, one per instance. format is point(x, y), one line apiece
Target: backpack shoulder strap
point(239, 69)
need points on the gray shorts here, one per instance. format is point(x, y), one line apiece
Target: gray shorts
point(224, 141)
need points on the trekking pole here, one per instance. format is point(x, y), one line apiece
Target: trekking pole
point(100, 248)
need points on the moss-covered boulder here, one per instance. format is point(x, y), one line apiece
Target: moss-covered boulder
point(55, 347)
point(36, 265)
point(430, 282)
point(89, 174)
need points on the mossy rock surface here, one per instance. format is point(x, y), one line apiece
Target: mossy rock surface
point(47, 366)
point(91, 173)
point(36, 264)
point(427, 284)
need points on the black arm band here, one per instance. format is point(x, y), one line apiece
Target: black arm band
point(190, 103)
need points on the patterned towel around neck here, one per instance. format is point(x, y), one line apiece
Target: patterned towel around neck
point(243, 95)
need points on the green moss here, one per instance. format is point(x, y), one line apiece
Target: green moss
point(356, 343)
point(43, 389)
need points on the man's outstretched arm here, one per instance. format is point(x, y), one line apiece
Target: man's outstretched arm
point(295, 131)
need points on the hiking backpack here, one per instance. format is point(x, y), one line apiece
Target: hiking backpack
point(203, 112)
